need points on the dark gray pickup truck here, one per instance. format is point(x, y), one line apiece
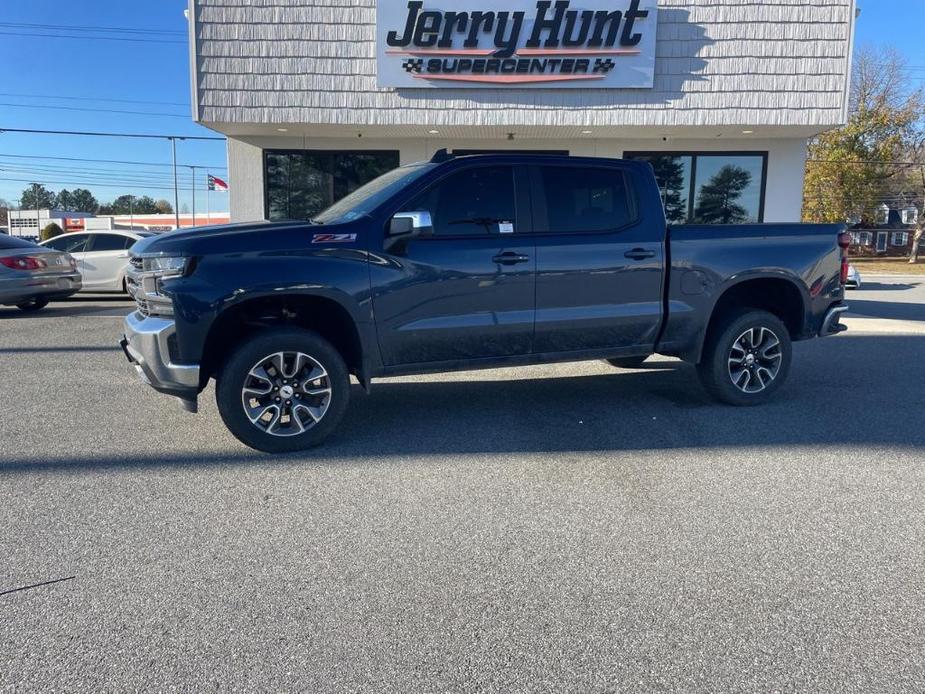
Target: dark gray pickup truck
point(466, 263)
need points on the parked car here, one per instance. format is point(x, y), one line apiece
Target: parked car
point(472, 262)
point(854, 278)
point(31, 276)
point(102, 256)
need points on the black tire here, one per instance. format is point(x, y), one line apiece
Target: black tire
point(724, 363)
point(255, 355)
point(627, 362)
point(35, 304)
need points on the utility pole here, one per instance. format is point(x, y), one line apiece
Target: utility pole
point(131, 211)
point(38, 215)
point(194, 193)
point(176, 190)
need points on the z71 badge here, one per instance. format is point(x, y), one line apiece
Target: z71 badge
point(334, 238)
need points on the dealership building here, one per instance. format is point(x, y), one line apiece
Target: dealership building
point(319, 96)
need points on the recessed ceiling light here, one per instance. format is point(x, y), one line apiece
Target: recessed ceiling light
point(283, 130)
point(748, 132)
point(433, 132)
point(586, 132)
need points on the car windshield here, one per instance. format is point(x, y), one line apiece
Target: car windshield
point(365, 199)
point(10, 242)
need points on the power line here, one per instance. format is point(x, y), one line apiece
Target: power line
point(149, 136)
point(94, 173)
point(96, 110)
point(135, 186)
point(88, 38)
point(875, 162)
point(108, 161)
point(96, 98)
point(72, 27)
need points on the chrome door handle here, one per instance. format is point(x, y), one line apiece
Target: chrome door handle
point(510, 258)
point(639, 254)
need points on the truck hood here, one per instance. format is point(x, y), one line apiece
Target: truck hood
point(250, 236)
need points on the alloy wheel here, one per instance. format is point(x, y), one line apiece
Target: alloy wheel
point(755, 360)
point(286, 393)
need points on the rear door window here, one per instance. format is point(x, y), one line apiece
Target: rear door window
point(583, 199)
point(10, 242)
point(109, 242)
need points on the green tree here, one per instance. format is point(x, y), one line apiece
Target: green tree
point(5, 208)
point(64, 200)
point(717, 202)
point(50, 231)
point(671, 176)
point(163, 207)
point(37, 197)
point(82, 200)
point(129, 204)
point(851, 169)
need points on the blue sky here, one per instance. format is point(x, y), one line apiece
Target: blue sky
point(153, 68)
point(39, 66)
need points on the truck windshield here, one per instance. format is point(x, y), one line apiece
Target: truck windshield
point(366, 198)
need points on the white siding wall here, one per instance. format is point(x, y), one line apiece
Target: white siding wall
point(719, 62)
point(786, 159)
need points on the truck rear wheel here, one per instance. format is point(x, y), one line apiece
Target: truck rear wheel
point(746, 358)
point(284, 390)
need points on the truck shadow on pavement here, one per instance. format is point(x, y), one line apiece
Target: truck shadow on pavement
point(887, 309)
point(861, 390)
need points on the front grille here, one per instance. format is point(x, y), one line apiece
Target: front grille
point(133, 285)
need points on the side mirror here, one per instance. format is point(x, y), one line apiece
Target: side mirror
point(406, 225)
point(410, 223)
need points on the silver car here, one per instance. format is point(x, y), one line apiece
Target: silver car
point(31, 276)
point(102, 256)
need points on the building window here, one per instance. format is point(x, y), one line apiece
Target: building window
point(883, 214)
point(710, 188)
point(900, 238)
point(911, 215)
point(863, 238)
point(299, 184)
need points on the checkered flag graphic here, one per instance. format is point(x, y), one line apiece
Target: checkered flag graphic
point(604, 65)
point(413, 65)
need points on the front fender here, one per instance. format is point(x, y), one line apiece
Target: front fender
point(221, 283)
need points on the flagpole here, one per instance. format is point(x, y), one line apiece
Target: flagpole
point(208, 208)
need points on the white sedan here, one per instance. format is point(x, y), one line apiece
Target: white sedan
point(102, 256)
point(854, 278)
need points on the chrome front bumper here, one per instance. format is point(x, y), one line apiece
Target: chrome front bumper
point(831, 325)
point(146, 345)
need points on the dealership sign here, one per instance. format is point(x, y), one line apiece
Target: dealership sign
point(604, 44)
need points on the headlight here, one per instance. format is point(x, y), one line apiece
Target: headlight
point(165, 266)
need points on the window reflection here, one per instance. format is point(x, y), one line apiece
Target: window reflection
point(300, 184)
point(709, 188)
point(728, 190)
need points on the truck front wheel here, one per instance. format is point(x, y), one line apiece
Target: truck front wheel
point(283, 390)
point(746, 358)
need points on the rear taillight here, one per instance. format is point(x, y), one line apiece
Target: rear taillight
point(844, 242)
point(23, 262)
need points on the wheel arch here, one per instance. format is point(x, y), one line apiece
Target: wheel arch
point(323, 314)
point(778, 294)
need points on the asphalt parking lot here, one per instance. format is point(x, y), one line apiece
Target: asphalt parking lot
point(569, 528)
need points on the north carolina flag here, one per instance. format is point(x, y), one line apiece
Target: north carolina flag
point(215, 183)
